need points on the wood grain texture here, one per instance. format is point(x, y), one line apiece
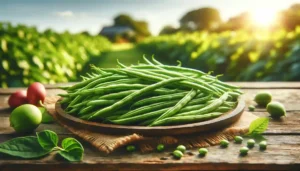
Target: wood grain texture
point(282, 153)
point(283, 136)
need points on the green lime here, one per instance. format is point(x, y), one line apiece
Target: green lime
point(263, 98)
point(276, 109)
point(25, 118)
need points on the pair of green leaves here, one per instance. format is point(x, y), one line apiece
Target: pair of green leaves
point(257, 127)
point(44, 143)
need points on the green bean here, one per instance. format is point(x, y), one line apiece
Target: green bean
point(172, 111)
point(83, 83)
point(188, 70)
point(147, 122)
point(101, 102)
point(117, 95)
point(223, 109)
point(109, 89)
point(186, 119)
point(86, 110)
point(139, 118)
point(120, 81)
point(128, 99)
point(102, 80)
point(209, 108)
point(171, 74)
point(156, 99)
point(145, 109)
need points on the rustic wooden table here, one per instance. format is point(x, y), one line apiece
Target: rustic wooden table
point(283, 152)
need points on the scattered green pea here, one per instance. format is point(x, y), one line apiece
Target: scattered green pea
point(263, 145)
point(276, 109)
point(224, 143)
point(160, 147)
point(203, 151)
point(181, 148)
point(250, 143)
point(244, 150)
point(263, 98)
point(177, 154)
point(251, 108)
point(238, 139)
point(130, 148)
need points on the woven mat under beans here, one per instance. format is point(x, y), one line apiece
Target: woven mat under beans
point(108, 143)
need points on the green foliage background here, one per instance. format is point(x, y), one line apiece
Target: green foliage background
point(239, 55)
point(49, 57)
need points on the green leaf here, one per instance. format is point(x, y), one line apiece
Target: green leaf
point(72, 150)
point(258, 126)
point(47, 139)
point(24, 147)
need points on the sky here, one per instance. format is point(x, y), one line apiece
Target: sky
point(91, 15)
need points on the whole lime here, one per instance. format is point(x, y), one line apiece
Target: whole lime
point(276, 109)
point(263, 98)
point(25, 118)
point(46, 117)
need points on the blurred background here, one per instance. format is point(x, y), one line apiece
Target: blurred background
point(56, 41)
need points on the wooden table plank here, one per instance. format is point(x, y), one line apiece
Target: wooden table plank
point(282, 153)
point(283, 136)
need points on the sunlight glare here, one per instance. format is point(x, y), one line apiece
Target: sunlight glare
point(263, 18)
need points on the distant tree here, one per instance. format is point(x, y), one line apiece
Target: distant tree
point(201, 19)
point(168, 29)
point(140, 27)
point(290, 17)
point(241, 21)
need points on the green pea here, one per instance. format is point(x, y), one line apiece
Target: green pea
point(244, 150)
point(130, 148)
point(181, 148)
point(238, 139)
point(263, 145)
point(263, 98)
point(276, 109)
point(203, 151)
point(251, 108)
point(250, 143)
point(224, 143)
point(177, 154)
point(160, 147)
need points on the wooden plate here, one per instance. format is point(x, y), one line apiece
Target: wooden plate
point(213, 124)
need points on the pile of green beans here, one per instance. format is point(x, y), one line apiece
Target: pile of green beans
point(149, 94)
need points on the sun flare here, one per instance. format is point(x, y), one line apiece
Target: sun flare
point(263, 18)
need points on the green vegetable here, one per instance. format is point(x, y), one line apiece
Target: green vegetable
point(181, 148)
point(172, 111)
point(177, 154)
point(130, 148)
point(149, 95)
point(203, 151)
point(160, 147)
point(130, 98)
point(224, 143)
point(25, 118)
point(251, 108)
point(276, 109)
point(263, 98)
point(250, 143)
point(44, 143)
point(238, 139)
point(263, 145)
point(72, 150)
point(244, 150)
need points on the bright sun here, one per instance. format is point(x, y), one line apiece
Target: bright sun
point(263, 18)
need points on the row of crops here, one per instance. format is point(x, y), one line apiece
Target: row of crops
point(28, 55)
point(243, 56)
